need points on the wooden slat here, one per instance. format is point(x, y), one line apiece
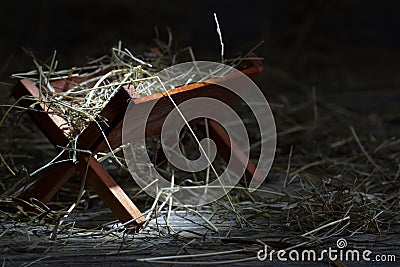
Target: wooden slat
point(54, 178)
point(226, 149)
point(113, 113)
point(52, 126)
point(108, 190)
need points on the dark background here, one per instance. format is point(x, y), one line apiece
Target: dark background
point(342, 48)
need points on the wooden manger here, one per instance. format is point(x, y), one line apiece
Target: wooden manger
point(92, 141)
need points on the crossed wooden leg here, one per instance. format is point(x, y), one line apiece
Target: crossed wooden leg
point(57, 175)
point(230, 151)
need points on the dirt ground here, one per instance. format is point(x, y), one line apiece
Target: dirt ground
point(331, 79)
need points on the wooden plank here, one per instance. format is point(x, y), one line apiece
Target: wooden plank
point(53, 127)
point(54, 178)
point(108, 190)
point(113, 113)
point(163, 105)
point(226, 149)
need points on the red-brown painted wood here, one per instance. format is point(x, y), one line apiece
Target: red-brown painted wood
point(57, 131)
point(108, 190)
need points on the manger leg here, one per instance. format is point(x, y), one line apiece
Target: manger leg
point(224, 145)
point(54, 178)
point(109, 191)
